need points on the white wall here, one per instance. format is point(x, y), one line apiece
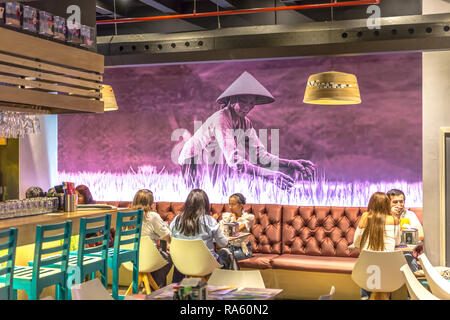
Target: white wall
point(38, 156)
point(436, 114)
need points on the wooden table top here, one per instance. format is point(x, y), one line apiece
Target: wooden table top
point(241, 235)
point(166, 293)
point(50, 218)
point(27, 225)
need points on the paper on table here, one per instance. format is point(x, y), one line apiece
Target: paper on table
point(254, 293)
point(239, 279)
point(220, 290)
point(165, 294)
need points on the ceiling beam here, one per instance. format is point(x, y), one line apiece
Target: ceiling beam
point(397, 34)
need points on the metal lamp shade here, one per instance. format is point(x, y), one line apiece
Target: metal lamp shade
point(109, 98)
point(332, 88)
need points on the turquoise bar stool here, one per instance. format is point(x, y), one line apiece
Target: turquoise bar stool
point(127, 232)
point(83, 258)
point(8, 244)
point(39, 276)
point(87, 263)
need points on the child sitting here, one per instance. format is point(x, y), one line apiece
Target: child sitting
point(242, 248)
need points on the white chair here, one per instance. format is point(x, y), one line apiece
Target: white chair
point(439, 286)
point(150, 259)
point(192, 258)
point(379, 272)
point(416, 290)
point(236, 278)
point(329, 296)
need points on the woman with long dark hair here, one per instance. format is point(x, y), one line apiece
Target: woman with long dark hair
point(195, 222)
point(377, 230)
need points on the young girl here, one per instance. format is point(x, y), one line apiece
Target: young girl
point(196, 223)
point(242, 249)
point(155, 228)
point(378, 230)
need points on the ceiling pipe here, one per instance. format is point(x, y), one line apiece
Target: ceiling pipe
point(334, 4)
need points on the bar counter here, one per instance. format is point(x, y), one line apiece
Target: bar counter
point(27, 225)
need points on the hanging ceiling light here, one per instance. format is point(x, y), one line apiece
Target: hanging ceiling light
point(332, 88)
point(109, 98)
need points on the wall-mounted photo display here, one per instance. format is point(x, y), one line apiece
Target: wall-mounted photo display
point(243, 126)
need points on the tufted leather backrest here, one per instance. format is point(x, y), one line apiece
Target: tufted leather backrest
point(168, 210)
point(281, 229)
point(266, 229)
point(319, 231)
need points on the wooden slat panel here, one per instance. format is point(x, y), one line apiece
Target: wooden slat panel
point(20, 108)
point(51, 87)
point(48, 67)
point(49, 77)
point(33, 97)
point(36, 48)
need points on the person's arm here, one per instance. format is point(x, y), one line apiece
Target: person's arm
point(414, 222)
point(360, 230)
point(266, 158)
point(172, 225)
point(247, 223)
point(160, 227)
point(225, 137)
point(357, 237)
point(235, 156)
point(397, 231)
point(219, 237)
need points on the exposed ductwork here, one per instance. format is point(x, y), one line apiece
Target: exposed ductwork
point(334, 4)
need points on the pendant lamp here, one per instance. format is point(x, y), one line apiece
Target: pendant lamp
point(332, 88)
point(109, 98)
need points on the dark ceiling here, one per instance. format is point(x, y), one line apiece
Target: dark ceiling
point(144, 8)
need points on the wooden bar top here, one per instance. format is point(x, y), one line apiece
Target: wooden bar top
point(27, 225)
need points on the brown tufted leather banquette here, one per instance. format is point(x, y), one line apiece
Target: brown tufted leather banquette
point(290, 237)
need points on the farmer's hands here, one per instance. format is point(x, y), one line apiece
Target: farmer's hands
point(282, 180)
point(305, 168)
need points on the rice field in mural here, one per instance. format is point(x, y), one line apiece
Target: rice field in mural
point(109, 186)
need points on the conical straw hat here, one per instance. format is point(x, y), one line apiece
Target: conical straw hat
point(332, 88)
point(247, 84)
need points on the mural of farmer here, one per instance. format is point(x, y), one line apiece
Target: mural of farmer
point(226, 144)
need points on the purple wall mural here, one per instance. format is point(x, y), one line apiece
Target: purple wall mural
point(357, 149)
